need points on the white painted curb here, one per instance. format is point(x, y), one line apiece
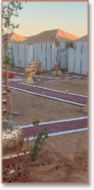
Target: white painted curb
point(50, 97)
point(57, 121)
point(53, 89)
point(59, 133)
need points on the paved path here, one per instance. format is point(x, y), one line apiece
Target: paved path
point(44, 78)
point(60, 96)
point(57, 127)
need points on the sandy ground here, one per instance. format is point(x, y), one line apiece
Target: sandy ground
point(31, 108)
point(64, 159)
point(74, 86)
point(77, 86)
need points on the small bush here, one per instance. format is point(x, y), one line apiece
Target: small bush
point(39, 143)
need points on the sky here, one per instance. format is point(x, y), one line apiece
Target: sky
point(36, 17)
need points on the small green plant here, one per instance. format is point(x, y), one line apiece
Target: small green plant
point(35, 123)
point(39, 142)
point(7, 61)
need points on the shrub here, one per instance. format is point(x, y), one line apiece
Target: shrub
point(39, 143)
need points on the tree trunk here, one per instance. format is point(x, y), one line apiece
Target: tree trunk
point(8, 92)
point(9, 107)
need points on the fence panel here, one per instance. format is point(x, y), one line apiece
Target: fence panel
point(10, 53)
point(26, 54)
point(43, 57)
point(39, 50)
point(21, 55)
point(71, 60)
point(35, 53)
point(14, 47)
point(84, 59)
point(54, 52)
point(49, 56)
point(78, 58)
point(30, 52)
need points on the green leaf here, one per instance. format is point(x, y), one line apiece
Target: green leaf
point(39, 142)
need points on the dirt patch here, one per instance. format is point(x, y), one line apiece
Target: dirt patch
point(77, 86)
point(74, 86)
point(31, 108)
point(64, 159)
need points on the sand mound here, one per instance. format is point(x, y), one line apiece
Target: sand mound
point(17, 37)
point(66, 35)
point(83, 39)
point(14, 38)
point(49, 35)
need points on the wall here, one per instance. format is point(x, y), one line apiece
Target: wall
point(20, 54)
point(78, 58)
point(46, 54)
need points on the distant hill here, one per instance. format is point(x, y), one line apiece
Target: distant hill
point(14, 38)
point(82, 39)
point(49, 35)
point(45, 37)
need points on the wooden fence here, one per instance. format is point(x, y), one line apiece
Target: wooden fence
point(76, 59)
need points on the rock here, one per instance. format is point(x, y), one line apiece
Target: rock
point(43, 93)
